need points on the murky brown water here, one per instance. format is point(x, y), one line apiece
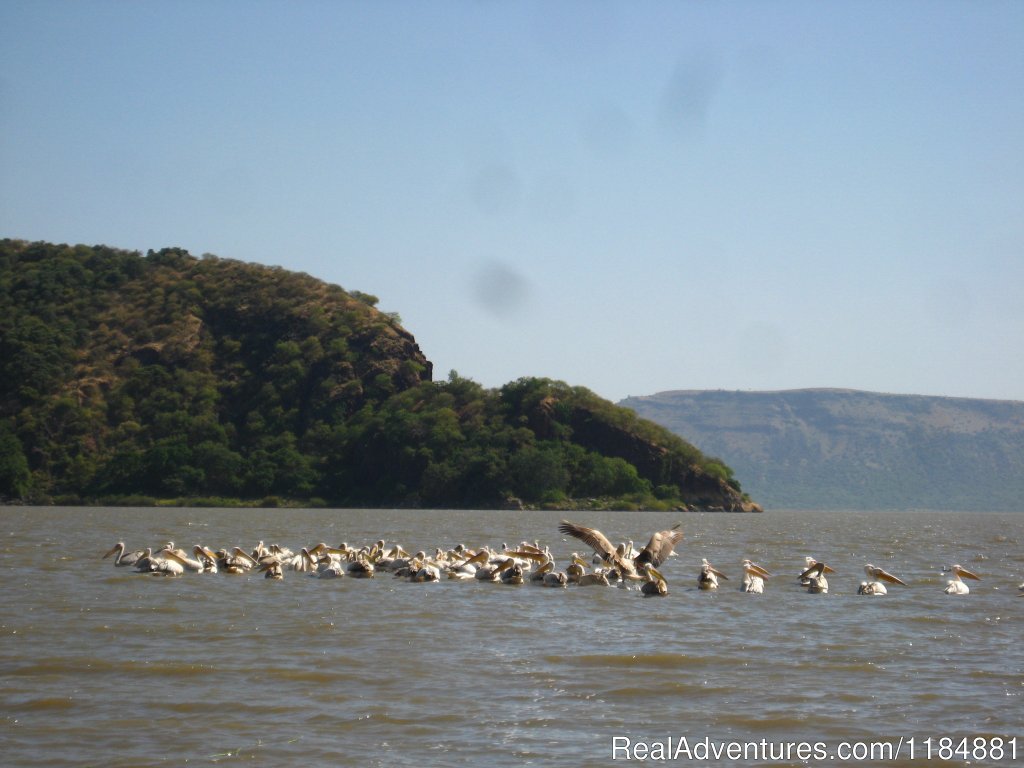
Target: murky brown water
point(104, 666)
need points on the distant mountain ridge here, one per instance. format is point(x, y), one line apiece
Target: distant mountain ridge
point(851, 449)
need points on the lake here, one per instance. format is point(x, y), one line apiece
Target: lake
point(105, 666)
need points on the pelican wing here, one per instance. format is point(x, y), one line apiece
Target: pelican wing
point(590, 536)
point(660, 546)
point(480, 558)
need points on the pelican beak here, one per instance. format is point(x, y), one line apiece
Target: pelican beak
point(891, 579)
point(477, 559)
point(967, 574)
point(817, 569)
point(655, 573)
point(113, 549)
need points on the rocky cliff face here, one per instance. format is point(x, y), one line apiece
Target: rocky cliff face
point(847, 449)
point(653, 461)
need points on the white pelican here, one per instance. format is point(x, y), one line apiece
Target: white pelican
point(809, 563)
point(196, 564)
point(160, 565)
point(427, 572)
point(485, 569)
point(709, 575)
point(654, 583)
point(656, 552)
point(513, 574)
point(597, 578)
point(329, 568)
point(272, 570)
point(816, 582)
point(537, 576)
point(555, 579)
point(124, 559)
point(236, 562)
point(871, 588)
point(576, 568)
point(176, 550)
point(144, 563)
point(547, 576)
point(465, 570)
point(753, 578)
point(361, 568)
point(876, 576)
point(955, 586)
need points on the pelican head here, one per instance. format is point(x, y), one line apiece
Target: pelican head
point(960, 571)
point(876, 574)
point(113, 549)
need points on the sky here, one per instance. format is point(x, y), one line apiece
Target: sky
point(632, 197)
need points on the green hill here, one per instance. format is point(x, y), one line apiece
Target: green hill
point(135, 379)
point(846, 449)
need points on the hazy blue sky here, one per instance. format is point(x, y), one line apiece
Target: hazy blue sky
point(632, 197)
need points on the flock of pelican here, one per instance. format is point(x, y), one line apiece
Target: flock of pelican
point(611, 565)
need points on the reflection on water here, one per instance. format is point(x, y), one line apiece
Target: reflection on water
point(103, 666)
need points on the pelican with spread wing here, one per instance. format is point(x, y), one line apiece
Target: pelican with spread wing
point(657, 551)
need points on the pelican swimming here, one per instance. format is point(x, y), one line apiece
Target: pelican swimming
point(753, 578)
point(176, 550)
point(709, 575)
point(197, 563)
point(161, 566)
point(486, 569)
point(547, 576)
point(654, 583)
point(144, 563)
point(427, 572)
point(232, 563)
point(537, 576)
point(576, 568)
point(955, 586)
point(871, 588)
point(272, 570)
point(329, 568)
point(464, 570)
point(597, 578)
point(555, 579)
point(655, 553)
point(809, 563)
point(360, 568)
point(513, 574)
point(876, 576)
point(816, 582)
point(123, 559)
